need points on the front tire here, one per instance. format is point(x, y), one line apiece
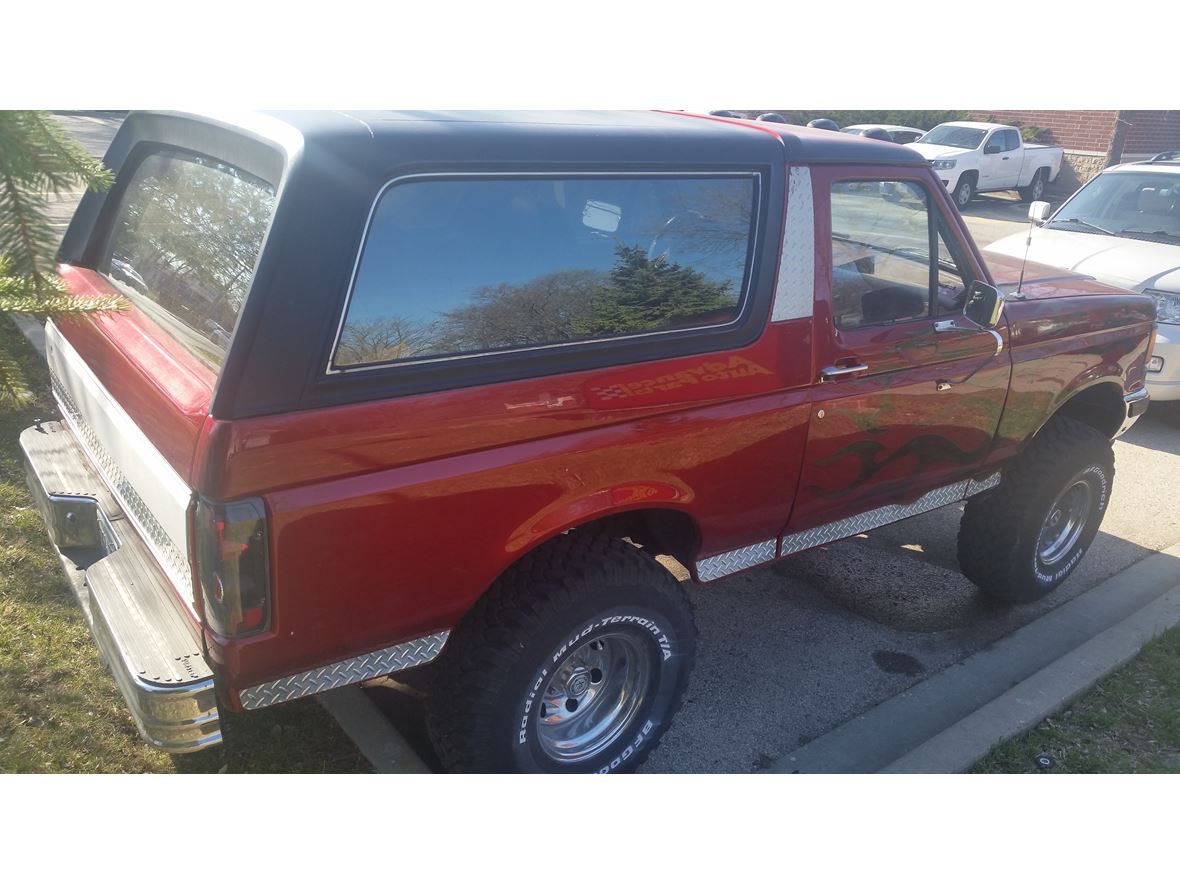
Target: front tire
point(1022, 540)
point(964, 192)
point(576, 660)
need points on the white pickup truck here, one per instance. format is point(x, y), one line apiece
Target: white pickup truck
point(973, 157)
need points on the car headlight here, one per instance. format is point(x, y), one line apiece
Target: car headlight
point(943, 164)
point(1167, 305)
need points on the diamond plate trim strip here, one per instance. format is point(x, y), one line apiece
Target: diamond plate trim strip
point(794, 296)
point(358, 669)
point(174, 561)
point(982, 485)
point(874, 519)
point(735, 560)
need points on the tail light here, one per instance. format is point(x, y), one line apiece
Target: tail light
point(233, 566)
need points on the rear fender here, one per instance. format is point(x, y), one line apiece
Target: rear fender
point(655, 510)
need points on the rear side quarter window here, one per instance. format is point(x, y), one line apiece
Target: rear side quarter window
point(183, 245)
point(459, 267)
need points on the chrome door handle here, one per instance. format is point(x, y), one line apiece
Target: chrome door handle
point(831, 373)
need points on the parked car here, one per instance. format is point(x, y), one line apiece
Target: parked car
point(1123, 228)
point(971, 158)
point(897, 134)
point(123, 270)
point(482, 369)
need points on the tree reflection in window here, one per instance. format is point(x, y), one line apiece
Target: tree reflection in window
point(477, 266)
point(185, 242)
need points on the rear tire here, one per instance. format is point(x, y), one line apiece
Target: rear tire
point(1023, 539)
point(576, 660)
point(1036, 187)
point(964, 192)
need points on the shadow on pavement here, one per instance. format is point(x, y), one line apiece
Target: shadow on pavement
point(404, 705)
point(1158, 429)
point(1002, 206)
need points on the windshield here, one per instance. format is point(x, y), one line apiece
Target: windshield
point(954, 136)
point(1137, 205)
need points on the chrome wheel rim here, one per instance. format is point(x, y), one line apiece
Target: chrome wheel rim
point(593, 697)
point(1064, 523)
point(964, 194)
point(1038, 188)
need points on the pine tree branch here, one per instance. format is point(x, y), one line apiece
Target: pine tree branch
point(38, 157)
point(25, 246)
point(13, 389)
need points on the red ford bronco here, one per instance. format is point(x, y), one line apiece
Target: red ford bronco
point(398, 389)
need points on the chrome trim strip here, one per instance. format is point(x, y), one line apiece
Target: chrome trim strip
point(873, 519)
point(474, 174)
point(794, 296)
point(379, 663)
point(735, 560)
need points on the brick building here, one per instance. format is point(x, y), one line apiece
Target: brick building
point(1090, 138)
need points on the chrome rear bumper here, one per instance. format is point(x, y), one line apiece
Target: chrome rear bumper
point(146, 636)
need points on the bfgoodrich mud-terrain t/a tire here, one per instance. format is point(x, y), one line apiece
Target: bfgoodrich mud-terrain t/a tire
point(575, 661)
point(1023, 539)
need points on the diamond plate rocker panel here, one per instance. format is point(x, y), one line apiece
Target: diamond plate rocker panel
point(735, 560)
point(975, 486)
point(874, 519)
point(358, 669)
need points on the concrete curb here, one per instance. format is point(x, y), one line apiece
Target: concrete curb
point(884, 735)
point(1041, 695)
point(374, 736)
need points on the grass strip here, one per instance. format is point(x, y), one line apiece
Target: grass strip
point(60, 710)
point(1127, 723)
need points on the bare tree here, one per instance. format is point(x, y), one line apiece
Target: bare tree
point(540, 311)
point(384, 339)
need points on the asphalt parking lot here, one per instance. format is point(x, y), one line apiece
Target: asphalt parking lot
point(788, 652)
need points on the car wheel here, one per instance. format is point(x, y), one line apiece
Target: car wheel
point(964, 192)
point(1035, 189)
point(575, 661)
point(1023, 539)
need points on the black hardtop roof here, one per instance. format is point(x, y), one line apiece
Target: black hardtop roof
point(742, 140)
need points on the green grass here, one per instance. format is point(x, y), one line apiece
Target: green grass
point(60, 710)
point(1128, 723)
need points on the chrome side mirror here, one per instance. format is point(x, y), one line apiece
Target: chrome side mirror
point(984, 305)
point(1038, 212)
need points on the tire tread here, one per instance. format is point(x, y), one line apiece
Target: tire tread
point(995, 523)
point(483, 647)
